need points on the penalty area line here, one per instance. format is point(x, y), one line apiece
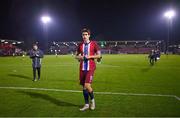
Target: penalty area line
point(100, 93)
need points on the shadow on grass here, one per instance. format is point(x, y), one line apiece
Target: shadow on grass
point(49, 99)
point(146, 69)
point(20, 76)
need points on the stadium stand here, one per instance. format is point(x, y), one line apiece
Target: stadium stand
point(175, 49)
point(110, 47)
point(10, 47)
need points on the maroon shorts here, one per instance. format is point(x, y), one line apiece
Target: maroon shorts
point(86, 76)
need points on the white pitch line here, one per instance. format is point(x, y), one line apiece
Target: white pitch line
point(178, 98)
point(102, 93)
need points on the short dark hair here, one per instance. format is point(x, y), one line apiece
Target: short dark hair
point(86, 30)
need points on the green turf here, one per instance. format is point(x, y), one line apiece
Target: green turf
point(116, 73)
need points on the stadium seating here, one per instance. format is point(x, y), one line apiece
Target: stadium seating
point(110, 47)
point(10, 48)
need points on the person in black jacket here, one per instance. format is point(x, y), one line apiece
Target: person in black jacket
point(152, 57)
point(36, 55)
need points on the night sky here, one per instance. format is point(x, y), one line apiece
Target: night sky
point(107, 19)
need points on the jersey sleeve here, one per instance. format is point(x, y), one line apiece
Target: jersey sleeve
point(96, 47)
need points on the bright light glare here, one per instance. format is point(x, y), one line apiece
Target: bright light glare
point(169, 14)
point(45, 19)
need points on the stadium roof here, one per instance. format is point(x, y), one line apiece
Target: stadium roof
point(11, 41)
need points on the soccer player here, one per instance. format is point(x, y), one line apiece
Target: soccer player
point(36, 55)
point(152, 57)
point(86, 53)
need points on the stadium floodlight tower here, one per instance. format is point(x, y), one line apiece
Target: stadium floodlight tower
point(45, 21)
point(169, 15)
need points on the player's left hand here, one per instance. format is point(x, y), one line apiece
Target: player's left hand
point(99, 59)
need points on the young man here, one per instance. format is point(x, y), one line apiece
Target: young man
point(87, 52)
point(36, 55)
point(152, 57)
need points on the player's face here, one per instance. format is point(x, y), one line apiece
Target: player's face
point(85, 36)
point(35, 47)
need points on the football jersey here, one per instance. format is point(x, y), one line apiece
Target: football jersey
point(89, 49)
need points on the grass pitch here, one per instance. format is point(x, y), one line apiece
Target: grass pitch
point(131, 75)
